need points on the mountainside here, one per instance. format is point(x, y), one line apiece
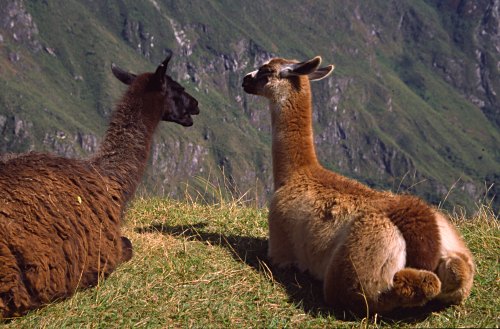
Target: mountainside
point(413, 104)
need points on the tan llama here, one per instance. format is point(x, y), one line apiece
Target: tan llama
point(374, 251)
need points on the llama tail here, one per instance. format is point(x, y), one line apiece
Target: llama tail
point(456, 267)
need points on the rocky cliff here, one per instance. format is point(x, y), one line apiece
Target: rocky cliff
point(412, 105)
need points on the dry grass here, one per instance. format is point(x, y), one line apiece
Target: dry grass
point(204, 266)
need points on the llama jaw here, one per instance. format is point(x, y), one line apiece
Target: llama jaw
point(189, 106)
point(192, 110)
point(186, 121)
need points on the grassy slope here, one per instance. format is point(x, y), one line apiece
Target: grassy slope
point(205, 266)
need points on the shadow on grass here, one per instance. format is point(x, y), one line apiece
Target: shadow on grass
point(303, 290)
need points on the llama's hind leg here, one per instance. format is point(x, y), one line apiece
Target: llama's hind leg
point(367, 255)
point(367, 275)
point(456, 266)
point(456, 273)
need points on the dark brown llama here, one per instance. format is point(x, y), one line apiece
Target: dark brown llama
point(60, 218)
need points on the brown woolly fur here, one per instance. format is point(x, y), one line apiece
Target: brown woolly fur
point(60, 218)
point(60, 230)
point(374, 251)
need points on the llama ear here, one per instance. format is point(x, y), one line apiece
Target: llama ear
point(321, 73)
point(302, 68)
point(161, 70)
point(122, 75)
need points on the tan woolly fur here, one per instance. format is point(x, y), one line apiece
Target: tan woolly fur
point(373, 250)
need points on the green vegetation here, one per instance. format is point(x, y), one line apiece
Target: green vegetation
point(198, 265)
point(396, 114)
point(406, 72)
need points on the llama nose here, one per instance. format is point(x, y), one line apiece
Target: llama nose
point(246, 80)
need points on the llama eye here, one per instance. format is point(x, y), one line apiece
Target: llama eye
point(264, 75)
point(265, 71)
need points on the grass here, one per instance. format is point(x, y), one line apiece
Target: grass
point(198, 265)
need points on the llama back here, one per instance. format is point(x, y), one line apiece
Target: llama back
point(415, 219)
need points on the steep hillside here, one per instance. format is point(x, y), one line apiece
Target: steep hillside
point(412, 106)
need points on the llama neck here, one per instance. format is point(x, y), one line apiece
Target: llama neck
point(125, 149)
point(292, 133)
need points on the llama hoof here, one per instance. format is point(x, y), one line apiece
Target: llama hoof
point(126, 249)
point(416, 287)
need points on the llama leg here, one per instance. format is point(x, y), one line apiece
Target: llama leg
point(456, 273)
point(410, 288)
point(126, 249)
point(366, 273)
point(280, 249)
point(456, 266)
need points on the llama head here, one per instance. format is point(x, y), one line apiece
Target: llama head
point(169, 97)
point(279, 77)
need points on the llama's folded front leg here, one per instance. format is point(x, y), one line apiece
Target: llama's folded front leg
point(412, 287)
point(280, 248)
